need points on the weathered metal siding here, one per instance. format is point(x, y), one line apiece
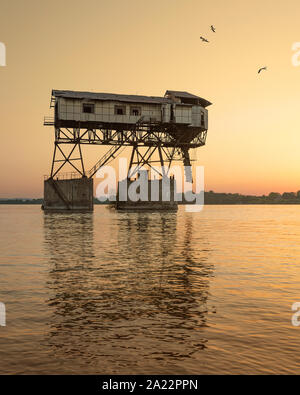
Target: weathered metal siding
point(166, 112)
point(183, 114)
point(197, 112)
point(71, 109)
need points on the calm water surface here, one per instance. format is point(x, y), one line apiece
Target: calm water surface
point(160, 293)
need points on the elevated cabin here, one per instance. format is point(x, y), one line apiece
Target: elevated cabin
point(91, 109)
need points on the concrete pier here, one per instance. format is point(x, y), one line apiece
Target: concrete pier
point(75, 195)
point(151, 204)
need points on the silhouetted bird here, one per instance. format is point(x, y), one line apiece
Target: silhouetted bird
point(204, 39)
point(260, 70)
point(213, 28)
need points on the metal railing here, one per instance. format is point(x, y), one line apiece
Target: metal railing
point(48, 121)
point(65, 176)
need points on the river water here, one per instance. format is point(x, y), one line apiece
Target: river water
point(150, 293)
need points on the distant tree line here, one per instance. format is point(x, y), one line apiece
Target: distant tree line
point(21, 201)
point(31, 201)
point(210, 197)
point(236, 198)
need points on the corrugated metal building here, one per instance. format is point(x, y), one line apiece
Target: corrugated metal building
point(181, 108)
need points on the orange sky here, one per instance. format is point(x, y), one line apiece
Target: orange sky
point(146, 47)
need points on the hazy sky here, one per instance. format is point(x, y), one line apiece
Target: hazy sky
point(146, 47)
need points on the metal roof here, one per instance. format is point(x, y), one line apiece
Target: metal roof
point(110, 96)
point(128, 98)
point(182, 94)
point(187, 95)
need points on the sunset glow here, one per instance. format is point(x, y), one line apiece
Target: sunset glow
point(254, 127)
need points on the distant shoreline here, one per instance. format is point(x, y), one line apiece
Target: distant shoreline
point(179, 203)
point(210, 198)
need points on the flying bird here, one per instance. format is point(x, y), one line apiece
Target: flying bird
point(261, 69)
point(204, 39)
point(213, 28)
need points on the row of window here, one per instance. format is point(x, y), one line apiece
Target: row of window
point(89, 108)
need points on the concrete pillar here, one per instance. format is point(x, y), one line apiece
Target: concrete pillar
point(160, 204)
point(75, 195)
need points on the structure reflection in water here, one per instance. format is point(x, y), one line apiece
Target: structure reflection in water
point(128, 295)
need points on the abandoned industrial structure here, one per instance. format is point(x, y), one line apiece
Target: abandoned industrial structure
point(157, 129)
